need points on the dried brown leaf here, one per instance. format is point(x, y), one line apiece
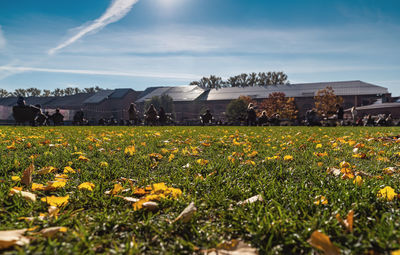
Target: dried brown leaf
point(24, 194)
point(10, 238)
point(322, 242)
point(186, 214)
point(233, 247)
point(27, 175)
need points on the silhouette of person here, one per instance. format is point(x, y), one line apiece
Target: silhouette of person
point(162, 117)
point(251, 115)
point(151, 115)
point(132, 112)
point(58, 118)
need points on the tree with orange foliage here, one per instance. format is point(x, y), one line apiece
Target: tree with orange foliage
point(277, 102)
point(326, 101)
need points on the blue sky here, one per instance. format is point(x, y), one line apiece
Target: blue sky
point(140, 43)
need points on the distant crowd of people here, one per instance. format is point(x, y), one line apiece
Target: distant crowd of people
point(152, 116)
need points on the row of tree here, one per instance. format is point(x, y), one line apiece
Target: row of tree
point(277, 102)
point(243, 80)
point(34, 92)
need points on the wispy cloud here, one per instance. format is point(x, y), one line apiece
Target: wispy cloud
point(116, 11)
point(2, 39)
point(17, 69)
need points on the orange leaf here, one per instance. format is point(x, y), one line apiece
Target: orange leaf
point(322, 242)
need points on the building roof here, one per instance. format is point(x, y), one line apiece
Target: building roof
point(179, 93)
point(98, 96)
point(68, 101)
point(377, 106)
point(342, 88)
point(119, 93)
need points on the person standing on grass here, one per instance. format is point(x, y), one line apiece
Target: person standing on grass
point(251, 115)
point(162, 117)
point(58, 118)
point(132, 112)
point(354, 114)
point(339, 113)
point(151, 115)
point(263, 119)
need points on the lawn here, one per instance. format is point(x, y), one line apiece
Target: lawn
point(121, 189)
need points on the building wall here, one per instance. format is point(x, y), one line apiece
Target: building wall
point(114, 107)
point(190, 111)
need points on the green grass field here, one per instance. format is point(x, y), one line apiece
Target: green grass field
point(298, 172)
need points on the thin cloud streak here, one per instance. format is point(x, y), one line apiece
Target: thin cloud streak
point(2, 39)
point(99, 72)
point(116, 11)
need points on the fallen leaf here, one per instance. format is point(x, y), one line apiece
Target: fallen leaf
point(151, 206)
point(251, 200)
point(10, 238)
point(322, 242)
point(50, 232)
point(333, 171)
point(27, 175)
point(53, 211)
point(86, 185)
point(46, 170)
point(387, 193)
point(233, 247)
point(348, 222)
point(186, 214)
point(24, 194)
point(56, 201)
point(129, 199)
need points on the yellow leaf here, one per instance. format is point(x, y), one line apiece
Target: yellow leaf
point(322, 242)
point(56, 201)
point(37, 186)
point(69, 169)
point(47, 170)
point(202, 162)
point(358, 180)
point(117, 189)
point(83, 158)
point(321, 200)
point(396, 252)
point(55, 185)
point(15, 178)
point(387, 193)
point(10, 238)
point(130, 150)
point(288, 158)
point(12, 146)
point(86, 185)
point(103, 164)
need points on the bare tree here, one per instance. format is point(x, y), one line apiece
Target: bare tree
point(58, 92)
point(233, 81)
point(33, 92)
point(46, 93)
point(77, 90)
point(69, 91)
point(19, 92)
point(252, 80)
point(4, 93)
point(89, 90)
